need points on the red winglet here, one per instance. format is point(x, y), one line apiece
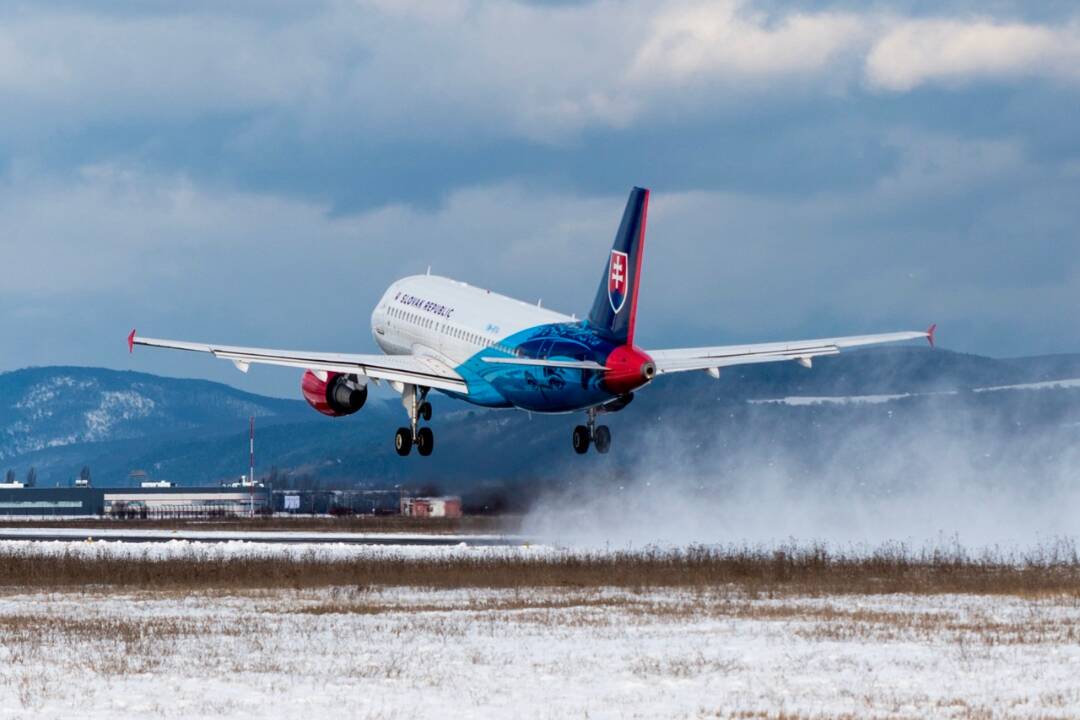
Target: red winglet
point(131, 342)
point(930, 334)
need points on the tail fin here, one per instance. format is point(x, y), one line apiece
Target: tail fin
point(615, 307)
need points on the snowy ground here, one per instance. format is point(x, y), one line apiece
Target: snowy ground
point(290, 536)
point(95, 547)
point(538, 653)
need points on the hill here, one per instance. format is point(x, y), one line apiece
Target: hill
point(59, 418)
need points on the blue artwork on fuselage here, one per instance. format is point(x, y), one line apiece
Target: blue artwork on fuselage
point(535, 388)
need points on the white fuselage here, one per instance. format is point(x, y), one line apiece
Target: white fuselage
point(450, 320)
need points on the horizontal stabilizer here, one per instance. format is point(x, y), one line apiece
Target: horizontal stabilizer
point(572, 364)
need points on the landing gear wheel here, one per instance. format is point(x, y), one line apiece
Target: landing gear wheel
point(425, 441)
point(403, 441)
point(581, 439)
point(602, 439)
point(425, 411)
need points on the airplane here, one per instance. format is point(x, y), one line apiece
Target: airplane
point(497, 352)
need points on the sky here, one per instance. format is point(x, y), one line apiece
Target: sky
point(258, 171)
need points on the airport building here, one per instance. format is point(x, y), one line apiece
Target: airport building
point(51, 502)
point(336, 502)
point(178, 502)
point(136, 502)
point(448, 507)
point(165, 500)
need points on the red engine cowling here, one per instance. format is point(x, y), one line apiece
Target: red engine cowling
point(628, 369)
point(337, 396)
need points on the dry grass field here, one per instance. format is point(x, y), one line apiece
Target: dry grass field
point(804, 570)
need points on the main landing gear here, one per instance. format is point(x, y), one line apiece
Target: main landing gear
point(414, 399)
point(598, 435)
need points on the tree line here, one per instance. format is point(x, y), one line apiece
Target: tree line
point(31, 478)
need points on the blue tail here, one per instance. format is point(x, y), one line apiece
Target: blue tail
point(615, 307)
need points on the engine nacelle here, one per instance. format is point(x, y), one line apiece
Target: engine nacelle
point(338, 395)
point(628, 369)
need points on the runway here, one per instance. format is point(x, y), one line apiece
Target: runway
point(280, 537)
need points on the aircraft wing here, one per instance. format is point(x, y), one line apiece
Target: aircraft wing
point(714, 358)
point(414, 369)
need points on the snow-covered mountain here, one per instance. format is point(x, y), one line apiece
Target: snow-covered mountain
point(57, 419)
point(54, 407)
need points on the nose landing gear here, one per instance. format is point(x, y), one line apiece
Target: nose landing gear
point(598, 435)
point(414, 399)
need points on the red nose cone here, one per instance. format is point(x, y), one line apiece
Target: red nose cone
point(628, 369)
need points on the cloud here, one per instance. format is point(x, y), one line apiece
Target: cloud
point(915, 52)
point(457, 71)
point(412, 69)
point(152, 157)
point(730, 40)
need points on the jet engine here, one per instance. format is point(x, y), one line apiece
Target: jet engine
point(333, 394)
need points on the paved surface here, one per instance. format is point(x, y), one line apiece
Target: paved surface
point(211, 536)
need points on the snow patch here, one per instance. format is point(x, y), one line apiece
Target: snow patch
point(1071, 383)
point(38, 402)
point(535, 653)
point(797, 400)
point(115, 407)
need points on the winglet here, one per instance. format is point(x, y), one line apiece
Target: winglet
point(131, 342)
point(930, 334)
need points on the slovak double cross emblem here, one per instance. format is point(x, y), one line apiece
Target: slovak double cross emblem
point(617, 284)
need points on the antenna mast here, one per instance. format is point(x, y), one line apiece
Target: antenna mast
point(251, 465)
